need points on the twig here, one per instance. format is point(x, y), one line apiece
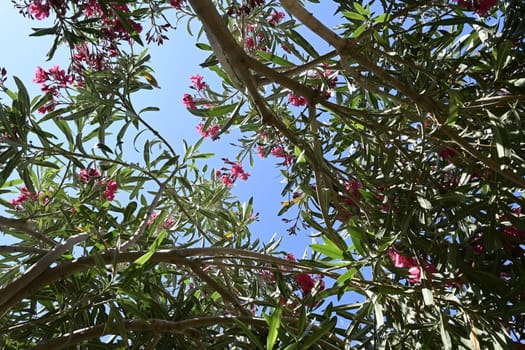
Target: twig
point(142, 227)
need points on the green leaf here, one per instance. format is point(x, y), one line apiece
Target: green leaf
point(248, 332)
point(354, 16)
point(214, 111)
point(44, 31)
point(357, 238)
point(273, 320)
point(303, 43)
point(365, 11)
point(9, 166)
point(231, 118)
point(318, 333)
point(503, 57)
point(23, 98)
point(329, 249)
point(445, 336)
point(156, 244)
point(385, 17)
point(274, 58)
point(204, 46)
point(424, 203)
point(346, 276)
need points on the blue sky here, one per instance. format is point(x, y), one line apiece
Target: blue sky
point(173, 63)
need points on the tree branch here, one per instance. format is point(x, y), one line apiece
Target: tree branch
point(36, 270)
point(163, 326)
point(175, 256)
point(21, 249)
point(23, 225)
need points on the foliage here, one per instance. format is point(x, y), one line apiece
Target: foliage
point(402, 149)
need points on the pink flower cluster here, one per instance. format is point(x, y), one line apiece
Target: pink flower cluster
point(255, 39)
point(106, 48)
point(296, 100)
point(276, 17)
point(268, 146)
point(39, 9)
point(96, 59)
point(279, 152)
point(111, 189)
point(305, 281)
point(86, 175)
point(177, 4)
point(113, 28)
point(51, 81)
point(328, 80)
point(410, 263)
point(23, 197)
point(198, 82)
point(482, 7)
point(228, 176)
point(352, 194)
point(90, 174)
point(167, 224)
point(212, 131)
point(188, 102)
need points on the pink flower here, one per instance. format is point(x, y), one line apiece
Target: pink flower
point(60, 75)
point(250, 43)
point(177, 4)
point(297, 101)
point(41, 76)
point(514, 232)
point(227, 180)
point(187, 101)
point(39, 10)
point(168, 223)
point(152, 218)
point(91, 8)
point(111, 189)
point(48, 107)
point(305, 281)
point(261, 151)
point(353, 186)
point(448, 154)
point(414, 270)
point(237, 170)
point(228, 176)
point(483, 6)
point(291, 257)
point(401, 261)
point(210, 132)
point(87, 174)
point(197, 82)
point(276, 17)
point(286, 48)
point(279, 152)
point(23, 197)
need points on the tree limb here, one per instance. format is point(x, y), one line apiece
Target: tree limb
point(23, 225)
point(37, 269)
